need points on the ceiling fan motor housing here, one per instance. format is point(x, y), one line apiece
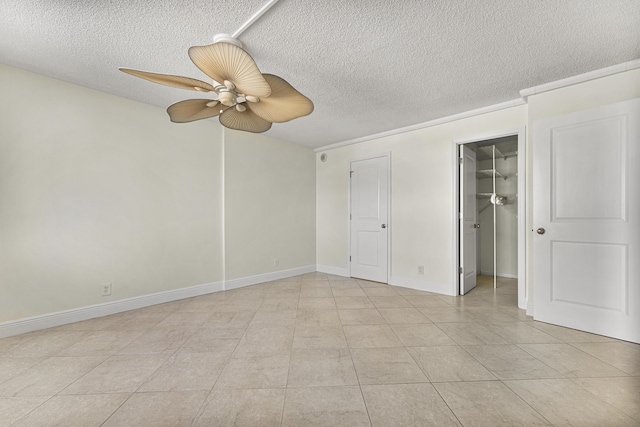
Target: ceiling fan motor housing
point(227, 98)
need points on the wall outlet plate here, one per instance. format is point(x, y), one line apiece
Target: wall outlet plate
point(106, 289)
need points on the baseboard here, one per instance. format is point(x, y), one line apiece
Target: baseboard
point(267, 277)
point(437, 288)
point(507, 275)
point(60, 318)
point(336, 271)
point(51, 320)
point(529, 308)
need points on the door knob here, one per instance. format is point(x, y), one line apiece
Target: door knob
point(384, 226)
point(476, 225)
point(541, 230)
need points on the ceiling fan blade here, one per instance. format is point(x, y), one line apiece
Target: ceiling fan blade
point(169, 80)
point(225, 61)
point(285, 103)
point(193, 109)
point(246, 121)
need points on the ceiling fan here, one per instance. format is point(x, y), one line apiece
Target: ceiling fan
point(242, 97)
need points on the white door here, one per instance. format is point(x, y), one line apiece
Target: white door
point(369, 218)
point(468, 221)
point(586, 243)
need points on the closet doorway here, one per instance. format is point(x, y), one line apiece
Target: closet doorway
point(490, 205)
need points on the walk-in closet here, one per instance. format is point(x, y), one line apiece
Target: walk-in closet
point(490, 212)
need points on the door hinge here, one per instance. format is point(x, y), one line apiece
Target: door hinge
point(460, 160)
point(459, 270)
point(349, 216)
point(351, 173)
point(349, 258)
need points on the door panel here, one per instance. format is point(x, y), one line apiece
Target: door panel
point(369, 222)
point(576, 266)
point(468, 231)
point(589, 173)
point(587, 205)
point(368, 248)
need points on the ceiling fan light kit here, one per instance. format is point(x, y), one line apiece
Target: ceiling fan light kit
point(242, 97)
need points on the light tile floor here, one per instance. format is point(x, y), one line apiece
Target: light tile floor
point(320, 350)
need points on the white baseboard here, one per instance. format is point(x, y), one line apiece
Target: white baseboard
point(419, 285)
point(267, 277)
point(336, 271)
point(529, 308)
point(507, 275)
point(50, 320)
point(45, 321)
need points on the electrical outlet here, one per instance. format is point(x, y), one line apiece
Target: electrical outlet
point(276, 262)
point(106, 289)
point(421, 269)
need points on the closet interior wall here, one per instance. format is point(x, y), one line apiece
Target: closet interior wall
point(505, 245)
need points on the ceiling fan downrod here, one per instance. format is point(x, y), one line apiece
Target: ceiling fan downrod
point(254, 18)
point(233, 38)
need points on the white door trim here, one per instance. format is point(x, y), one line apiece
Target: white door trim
point(386, 155)
point(520, 132)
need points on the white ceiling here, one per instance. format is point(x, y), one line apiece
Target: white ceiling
point(368, 65)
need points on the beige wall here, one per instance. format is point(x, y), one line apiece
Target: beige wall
point(269, 205)
point(99, 189)
point(421, 197)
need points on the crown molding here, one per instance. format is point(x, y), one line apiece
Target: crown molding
point(524, 95)
point(580, 78)
point(430, 123)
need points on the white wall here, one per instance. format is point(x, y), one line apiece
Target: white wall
point(421, 223)
point(269, 205)
point(421, 177)
point(506, 219)
point(99, 189)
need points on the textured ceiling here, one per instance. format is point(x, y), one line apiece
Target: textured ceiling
point(368, 65)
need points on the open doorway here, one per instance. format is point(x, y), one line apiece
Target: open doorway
point(490, 213)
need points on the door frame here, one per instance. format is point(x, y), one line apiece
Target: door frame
point(520, 132)
point(386, 155)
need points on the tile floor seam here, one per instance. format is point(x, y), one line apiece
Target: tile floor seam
point(526, 402)
point(354, 366)
point(142, 383)
point(366, 407)
point(116, 410)
point(446, 403)
point(295, 325)
point(541, 361)
point(600, 359)
point(200, 410)
point(81, 376)
point(32, 410)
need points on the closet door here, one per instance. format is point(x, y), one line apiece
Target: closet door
point(468, 220)
point(586, 243)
